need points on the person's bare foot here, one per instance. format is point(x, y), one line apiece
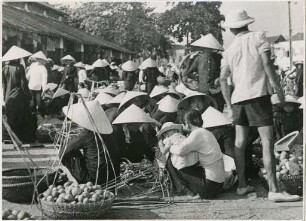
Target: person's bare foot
point(245, 190)
point(283, 197)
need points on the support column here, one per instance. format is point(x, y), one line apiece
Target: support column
point(61, 48)
point(82, 53)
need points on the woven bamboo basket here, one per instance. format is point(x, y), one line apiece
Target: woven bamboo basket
point(17, 184)
point(91, 210)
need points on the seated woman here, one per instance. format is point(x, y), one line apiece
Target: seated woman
point(135, 145)
point(208, 178)
point(83, 164)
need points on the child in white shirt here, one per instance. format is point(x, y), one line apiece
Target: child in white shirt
point(170, 135)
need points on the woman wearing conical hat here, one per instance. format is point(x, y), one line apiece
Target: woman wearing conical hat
point(17, 96)
point(83, 165)
point(166, 110)
point(70, 74)
point(150, 74)
point(132, 139)
point(129, 75)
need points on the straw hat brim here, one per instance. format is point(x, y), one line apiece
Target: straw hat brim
point(15, 53)
point(238, 24)
point(144, 100)
point(171, 127)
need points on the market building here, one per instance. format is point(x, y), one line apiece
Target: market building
point(37, 26)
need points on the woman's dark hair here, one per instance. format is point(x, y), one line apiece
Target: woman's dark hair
point(193, 117)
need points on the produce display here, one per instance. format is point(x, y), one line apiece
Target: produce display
point(76, 193)
point(8, 214)
point(289, 163)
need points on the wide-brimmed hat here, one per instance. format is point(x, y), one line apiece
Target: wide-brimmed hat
point(55, 67)
point(283, 143)
point(149, 63)
point(141, 66)
point(184, 102)
point(60, 92)
point(169, 126)
point(165, 81)
point(158, 90)
point(106, 61)
point(51, 86)
point(67, 58)
point(103, 98)
point(130, 96)
point(78, 114)
point(99, 64)
point(88, 67)
point(214, 118)
point(208, 41)
point(79, 65)
point(129, 66)
point(118, 98)
point(39, 55)
point(133, 114)
point(288, 99)
point(237, 19)
point(15, 53)
point(168, 104)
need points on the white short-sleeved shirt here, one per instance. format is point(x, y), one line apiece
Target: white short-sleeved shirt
point(243, 61)
point(82, 75)
point(37, 76)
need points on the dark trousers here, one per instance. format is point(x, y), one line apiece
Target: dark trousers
point(37, 101)
point(193, 178)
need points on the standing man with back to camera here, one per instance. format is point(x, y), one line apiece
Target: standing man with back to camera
point(247, 62)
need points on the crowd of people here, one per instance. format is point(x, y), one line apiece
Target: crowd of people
point(146, 112)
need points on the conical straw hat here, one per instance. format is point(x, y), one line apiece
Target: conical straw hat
point(180, 88)
point(51, 86)
point(168, 104)
point(184, 102)
point(99, 64)
point(141, 66)
point(15, 53)
point(283, 144)
point(110, 90)
point(149, 63)
point(288, 99)
point(60, 92)
point(118, 98)
point(301, 100)
point(103, 98)
point(208, 41)
point(39, 55)
point(60, 69)
point(158, 90)
point(79, 65)
point(78, 114)
point(129, 66)
point(106, 61)
point(213, 118)
point(169, 126)
point(131, 95)
point(55, 67)
point(133, 114)
point(88, 67)
point(68, 58)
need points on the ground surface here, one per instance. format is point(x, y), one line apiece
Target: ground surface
point(226, 206)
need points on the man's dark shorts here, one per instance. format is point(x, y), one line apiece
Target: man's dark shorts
point(255, 112)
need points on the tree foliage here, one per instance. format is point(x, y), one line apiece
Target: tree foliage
point(192, 19)
point(128, 24)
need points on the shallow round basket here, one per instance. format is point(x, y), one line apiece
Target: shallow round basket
point(18, 186)
point(95, 210)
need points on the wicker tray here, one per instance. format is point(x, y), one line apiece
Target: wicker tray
point(96, 210)
point(17, 184)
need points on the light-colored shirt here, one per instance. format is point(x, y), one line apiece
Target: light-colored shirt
point(210, 156)
point(180, 162)
point(82, 75)
point(243, 60)
point(37, 76)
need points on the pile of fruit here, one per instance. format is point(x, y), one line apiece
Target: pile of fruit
point(8, 214)
point(76, 193)
point(289, 163)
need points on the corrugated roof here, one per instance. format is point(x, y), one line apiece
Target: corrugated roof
point(29, 22)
